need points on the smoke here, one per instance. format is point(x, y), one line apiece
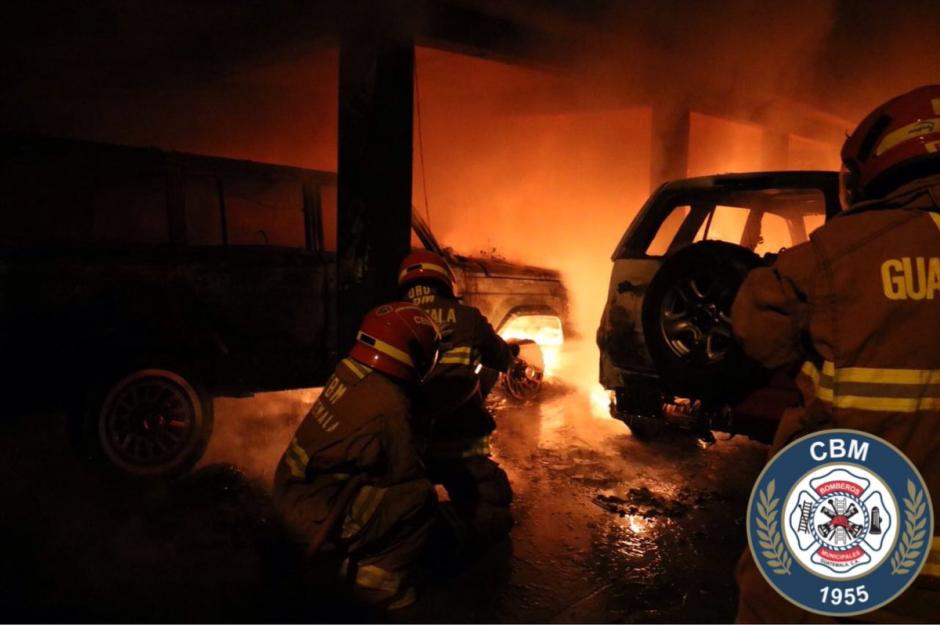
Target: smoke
point(546, 166)
point(549, 168)
point(877, 50)
point(253, 432)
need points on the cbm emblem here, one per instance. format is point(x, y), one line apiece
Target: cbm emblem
point(840, 522)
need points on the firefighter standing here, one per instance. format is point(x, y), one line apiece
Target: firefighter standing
point(352, 478)
point(458, 449)
point(859, 306)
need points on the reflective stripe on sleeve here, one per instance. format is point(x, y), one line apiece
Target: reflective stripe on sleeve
point(296, 459)
point(877, 389)
point(361, 509)
point(376, 578)
point(358, 370)
point(461, 356)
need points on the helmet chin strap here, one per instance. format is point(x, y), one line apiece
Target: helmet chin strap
point(849, 192)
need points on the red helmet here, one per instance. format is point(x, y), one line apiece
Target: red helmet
point(895, 144)
point(425, 266)
point(398, 339)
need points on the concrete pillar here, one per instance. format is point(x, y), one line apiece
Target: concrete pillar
point(376, 86)
point(669, 153)
point(775, 150)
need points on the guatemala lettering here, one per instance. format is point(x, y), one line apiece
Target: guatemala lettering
point(916, 278)
point(442, 315)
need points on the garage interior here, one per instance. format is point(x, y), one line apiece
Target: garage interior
point(524, 131)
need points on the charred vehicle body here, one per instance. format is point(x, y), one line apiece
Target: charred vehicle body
point(136, 284)
point(667, 353)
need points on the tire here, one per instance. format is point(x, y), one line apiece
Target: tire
point(687, 322)
point(148, 423)
point(524, 379)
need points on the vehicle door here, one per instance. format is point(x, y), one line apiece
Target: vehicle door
point(254, 256)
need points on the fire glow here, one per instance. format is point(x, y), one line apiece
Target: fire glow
point(544, 184)
point(545, 330)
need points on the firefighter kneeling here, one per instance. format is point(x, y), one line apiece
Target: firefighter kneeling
point(458, 449)
point(352, 479)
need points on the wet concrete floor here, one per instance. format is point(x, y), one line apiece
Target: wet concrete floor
point(609, 529)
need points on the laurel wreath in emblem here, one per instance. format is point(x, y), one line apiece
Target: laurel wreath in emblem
point(769, 536)
point(912, 540)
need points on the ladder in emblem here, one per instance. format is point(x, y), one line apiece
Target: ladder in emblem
point(804, 517)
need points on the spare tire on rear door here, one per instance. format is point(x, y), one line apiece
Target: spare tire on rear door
point(687, 322)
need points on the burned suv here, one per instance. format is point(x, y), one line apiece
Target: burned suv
point(667, 352)
point(137, 284)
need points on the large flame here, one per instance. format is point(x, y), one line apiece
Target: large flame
point(511, 173)
point(545, 330)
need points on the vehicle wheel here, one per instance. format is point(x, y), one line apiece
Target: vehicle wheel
point(687, 322)
point(523, 381)
point(150, 423)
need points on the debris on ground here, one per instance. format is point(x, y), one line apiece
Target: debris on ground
point(643, 502)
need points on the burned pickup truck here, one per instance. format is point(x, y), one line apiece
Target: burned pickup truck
point(137, 284)
point(667, 352)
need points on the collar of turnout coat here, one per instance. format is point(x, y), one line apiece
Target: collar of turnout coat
point(923, 193)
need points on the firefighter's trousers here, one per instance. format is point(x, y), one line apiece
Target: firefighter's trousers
point(383, 535)
point(480, 497)
point(380, 537)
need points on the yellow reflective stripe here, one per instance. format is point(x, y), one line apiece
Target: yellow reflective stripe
point(296, 469)
point(426, 266)
point(296, 459)
point(887, 404)
point(876, 388)
point(888, 376)
point(387, 349)
point(456, 360)
point(300, 451)
point(361, 510)
point(358, 370)
point(376, 578)
point(936, 218)
point(809, 370)
point(461, 356)
point(911, 131)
